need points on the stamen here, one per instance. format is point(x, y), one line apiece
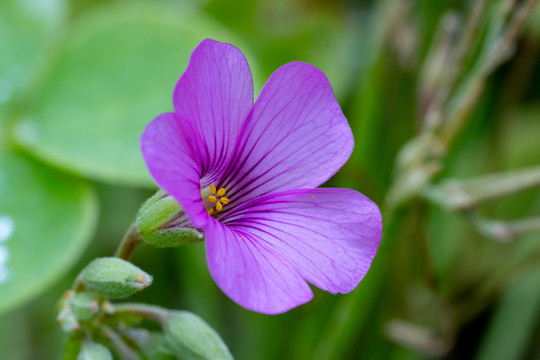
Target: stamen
point(217, 197)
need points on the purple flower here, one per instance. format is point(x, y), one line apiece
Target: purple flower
point(246, 174)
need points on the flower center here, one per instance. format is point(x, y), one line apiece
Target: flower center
point(216, 200)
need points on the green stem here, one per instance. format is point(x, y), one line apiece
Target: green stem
point(145, 311)
point(119, 346)
point(129, 243)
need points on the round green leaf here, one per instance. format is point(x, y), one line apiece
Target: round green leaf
point(26, 27)
point(46, 220)
point(116, 74)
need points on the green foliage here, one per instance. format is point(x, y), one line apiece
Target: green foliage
point(46, 220)
point(142, 49)
point(518, 310)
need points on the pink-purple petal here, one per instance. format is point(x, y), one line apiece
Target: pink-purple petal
point(250, 272)
point(329, 235)
point(215, 95)
point(295, 137)
point(167, 148)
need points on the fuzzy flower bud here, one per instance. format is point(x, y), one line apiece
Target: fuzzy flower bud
point(188, 335)
point(92, 351)
point(85, 306)
point(114, 278)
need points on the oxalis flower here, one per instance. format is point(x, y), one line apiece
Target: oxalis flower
point(246, 175)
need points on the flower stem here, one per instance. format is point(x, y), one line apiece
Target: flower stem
point(129, 243)
point(150, 312)
point(119, 346)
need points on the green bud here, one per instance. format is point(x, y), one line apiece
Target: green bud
point(193, 339)
point(65, 316)
point(114, 278)
point(92, 351)
point(157, 348)
point(162, 223)
point(85, 306)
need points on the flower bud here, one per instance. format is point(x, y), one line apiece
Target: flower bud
point(93, 351)
point(193, 339)
point(157, 348)
point(85, 306)
point(114, 278)
point(65, 316)
point(162, 223)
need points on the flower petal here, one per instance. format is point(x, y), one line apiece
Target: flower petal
point(215, 94)
point(327, 236)
point(295, 137)
point(167, 148)
point(251, 273)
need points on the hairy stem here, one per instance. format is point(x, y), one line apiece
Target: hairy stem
point(129, 243)
point(119, 346)
point(150, 312)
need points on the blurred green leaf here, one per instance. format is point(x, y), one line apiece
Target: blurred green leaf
point(116, 73)
point(25, 28)
point(514, 320)
point(46, 220)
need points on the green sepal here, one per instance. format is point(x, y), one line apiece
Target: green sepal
point(93, 351)
point(175, 237)
point(193, 339)
point(154, 223)
point(157, 211)
point(114, 278)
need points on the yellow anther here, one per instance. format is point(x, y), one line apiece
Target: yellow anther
point(224, 200)
point(212, 198)
point(212, 189)
point(219, 206)
point(211, 211)
point(221, 192)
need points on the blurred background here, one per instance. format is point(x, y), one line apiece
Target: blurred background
point(443, 100)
